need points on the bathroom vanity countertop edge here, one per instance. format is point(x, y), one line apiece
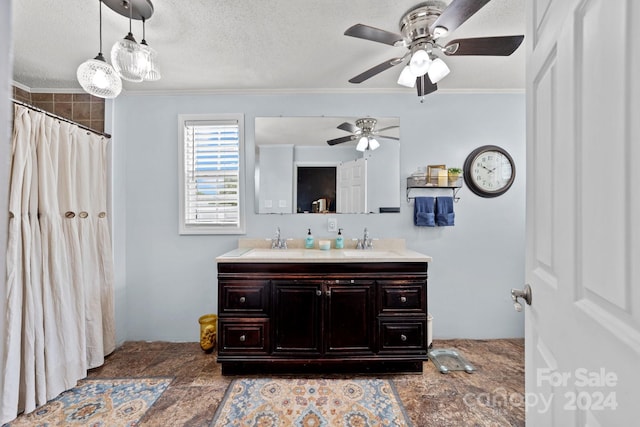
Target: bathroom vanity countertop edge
point(248, 255)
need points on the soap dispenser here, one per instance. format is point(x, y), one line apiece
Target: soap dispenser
point(308, 242)
point(339, 240)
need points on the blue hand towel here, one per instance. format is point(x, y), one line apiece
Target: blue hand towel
point(423, 214)
point(444, 211)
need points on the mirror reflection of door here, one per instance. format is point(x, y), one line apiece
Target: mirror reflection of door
point(352, 186)
point(316, 189)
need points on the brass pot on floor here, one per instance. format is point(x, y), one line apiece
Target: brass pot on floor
point(208, 331)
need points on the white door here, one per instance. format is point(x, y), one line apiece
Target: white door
point(351, 192)
point(583, 213)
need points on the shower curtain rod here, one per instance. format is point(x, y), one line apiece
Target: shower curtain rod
point(55, 116)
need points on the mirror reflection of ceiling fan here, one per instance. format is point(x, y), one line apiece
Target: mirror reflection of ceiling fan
point(364, 130)
point(420, 29)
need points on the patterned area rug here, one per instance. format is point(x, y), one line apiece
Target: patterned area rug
point(98, 402)
point(310, 403)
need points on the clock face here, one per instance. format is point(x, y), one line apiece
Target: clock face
point(489, 171)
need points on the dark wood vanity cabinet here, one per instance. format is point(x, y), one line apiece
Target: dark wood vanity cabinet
point(291, 317)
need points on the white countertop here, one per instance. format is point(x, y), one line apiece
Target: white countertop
point(385, 250)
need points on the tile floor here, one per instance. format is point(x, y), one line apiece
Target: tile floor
point(491, 396)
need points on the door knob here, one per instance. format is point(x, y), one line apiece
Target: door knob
point(524, 294)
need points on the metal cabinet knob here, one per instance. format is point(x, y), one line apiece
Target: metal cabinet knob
point(319, 292)
point(403, 299)
point(243, 338)
point(403, 337)
point(242, 300)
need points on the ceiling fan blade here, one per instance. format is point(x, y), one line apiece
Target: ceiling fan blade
point(388, 137)
point(374, 34)
point(457, 13)
point(349, 127)
point(493, 46)
point(425, 86)
point(341, 140)
point(375, 70)
point(388, 127)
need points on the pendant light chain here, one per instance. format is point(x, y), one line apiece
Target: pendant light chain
point(130, 14)
point(100, 1)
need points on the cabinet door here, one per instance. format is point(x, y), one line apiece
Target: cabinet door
point(349, 318)
point(297, 317)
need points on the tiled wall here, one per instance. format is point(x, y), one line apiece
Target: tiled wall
point(82, 108)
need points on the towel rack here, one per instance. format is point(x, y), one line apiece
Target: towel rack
point(414, 182)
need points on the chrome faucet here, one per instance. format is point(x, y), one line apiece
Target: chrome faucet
point(366, 242)
point(278, 242)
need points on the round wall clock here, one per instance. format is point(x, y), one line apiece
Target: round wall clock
point(489, 171)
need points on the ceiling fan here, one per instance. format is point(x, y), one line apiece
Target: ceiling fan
point(420, 29)
point(364, 130)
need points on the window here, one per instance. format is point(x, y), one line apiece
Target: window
point(211, 174)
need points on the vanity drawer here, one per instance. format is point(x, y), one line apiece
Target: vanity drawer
point(242, 337)
point(409, 335)
point(247, 298)
point(402, 298)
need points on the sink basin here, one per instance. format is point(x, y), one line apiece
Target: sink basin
point(274, 253)
point(366, 253)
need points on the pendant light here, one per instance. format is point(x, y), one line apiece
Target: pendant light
point(152, 72)
point(96, 76)
point(127, 57)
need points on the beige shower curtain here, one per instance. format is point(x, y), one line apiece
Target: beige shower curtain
point(59, 307)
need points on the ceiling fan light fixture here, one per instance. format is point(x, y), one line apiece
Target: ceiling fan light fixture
point(407, 78)
point(373, 144)
point(419, 62)
point(363, 143)
point(438, 70)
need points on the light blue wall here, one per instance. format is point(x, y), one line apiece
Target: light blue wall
point(171, 279)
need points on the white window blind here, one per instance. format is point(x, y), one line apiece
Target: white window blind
point(212, 158)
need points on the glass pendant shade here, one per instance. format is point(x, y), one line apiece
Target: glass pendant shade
point(99, 78)
point(96, 76)
point(152, 72)
point(128, 59)
point(373, 144)
point(420, 62)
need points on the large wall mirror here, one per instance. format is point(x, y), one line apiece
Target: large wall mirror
point(314, 165)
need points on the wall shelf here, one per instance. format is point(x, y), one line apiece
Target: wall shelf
point(414, 183)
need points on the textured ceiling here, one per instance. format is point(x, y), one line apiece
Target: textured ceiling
point(231, 45)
